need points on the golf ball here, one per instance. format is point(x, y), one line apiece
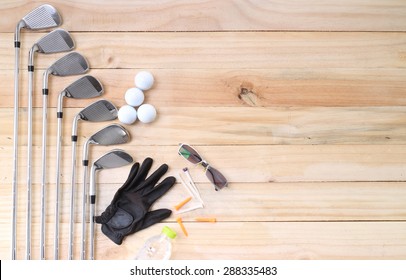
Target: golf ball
point(144, 80)
point(146, 113)
point(134, 97)
point(127, 114)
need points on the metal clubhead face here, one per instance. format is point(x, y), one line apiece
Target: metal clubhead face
point(58, 40)
point(43, 17)
point(84, 87)
point(113, 134)
point(113, 159)
point(71, 64)
point(99, 111)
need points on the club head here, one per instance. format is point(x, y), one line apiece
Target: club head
point(99, 111)
point(43, 17)
point(58, 40)
point(71, 64)
point(85, 87)
point(113, 134)
point(113, 159)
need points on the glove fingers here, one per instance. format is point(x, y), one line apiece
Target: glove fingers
point(154, 193)
point(141, 175)
point(154, 178)
point(154, 217)
point(131, 176)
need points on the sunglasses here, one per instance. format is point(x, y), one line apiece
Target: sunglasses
point(191, 155)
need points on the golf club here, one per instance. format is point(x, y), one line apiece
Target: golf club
point(113, 159)
point(113, 134)
point(99, 111)
point(71, 64)
point(56, 41)
point(84, 87)
point(43, 17)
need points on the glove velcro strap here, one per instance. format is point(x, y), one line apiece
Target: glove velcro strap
point(118, 238)
point(114, 236)
point(106, 215)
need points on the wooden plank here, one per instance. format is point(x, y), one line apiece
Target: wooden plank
point(231, 87)
point(223, 50)
point(246, 240)
point(234, 125)
point(281, 241)
point(240, 163)
point(163, 15)
point(338, 201)
point(246, 202)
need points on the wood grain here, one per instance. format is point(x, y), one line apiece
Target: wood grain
point(239, 125)
point(222, 50)
point(229, 15)
point(278, 202)
point(252, 240)
point(243, 163)
point(235, 87)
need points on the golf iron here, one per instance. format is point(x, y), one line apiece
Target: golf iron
point(99, 111)
point(113, 159)
point(113, 134)
point(56, 41)
point(43, 17)
point(84, 87)
point(71, 64)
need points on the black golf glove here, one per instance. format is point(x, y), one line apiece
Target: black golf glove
point(129, 212)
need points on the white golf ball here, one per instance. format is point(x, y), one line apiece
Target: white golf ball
point(146, 113)
point(144, 80)
point(127, 114)
point(134, 97)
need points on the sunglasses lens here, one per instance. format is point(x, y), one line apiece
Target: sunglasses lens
point(190, 154)
point(216, 178)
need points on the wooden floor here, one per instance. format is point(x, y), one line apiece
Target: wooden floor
point(301, 104)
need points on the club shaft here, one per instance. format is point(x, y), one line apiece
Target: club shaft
point(91, 241)
point(15, 154)
point(92, 202)
point(57, 188)
point(43, 181)
point(29, 162)
point(72, 202)
point(84, 204)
